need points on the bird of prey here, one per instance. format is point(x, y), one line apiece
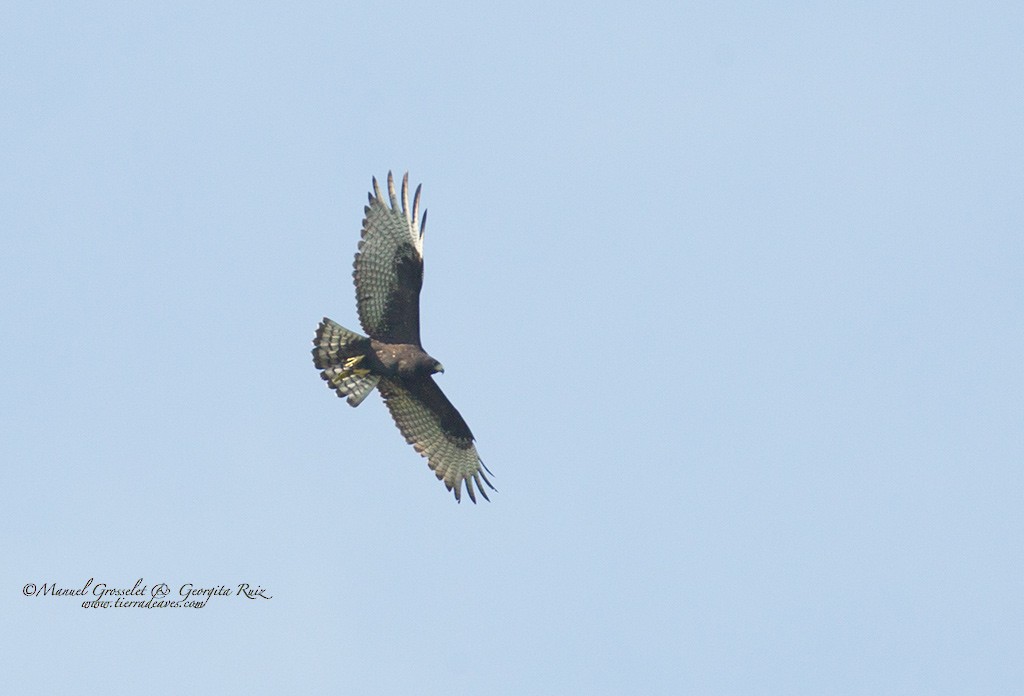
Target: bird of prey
point(388, 276)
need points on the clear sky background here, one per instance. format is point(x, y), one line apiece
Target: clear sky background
point(729, 293)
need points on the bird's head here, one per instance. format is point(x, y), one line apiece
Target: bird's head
point(428, 365)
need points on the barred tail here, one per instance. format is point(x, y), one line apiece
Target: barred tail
point(338, 353)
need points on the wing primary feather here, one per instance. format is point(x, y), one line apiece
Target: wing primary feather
point(405, 195)
point(376, 191)
point(416, 205)
point(483, 476)
point(391, 192)
point(480, 486)
point(469, 489)
point(423, 225)
point(486, 480)
point(489, 472)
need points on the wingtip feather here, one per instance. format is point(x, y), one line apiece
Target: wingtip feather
point(405, 195)
point(391, 191)
point(416, 204)
point(479, 486)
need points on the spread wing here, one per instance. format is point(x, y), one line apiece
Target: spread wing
point(389, 266)
point(435, 429)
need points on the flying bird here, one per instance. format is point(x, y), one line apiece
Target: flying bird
point(388, 276)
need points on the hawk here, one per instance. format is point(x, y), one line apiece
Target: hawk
point(388, 276)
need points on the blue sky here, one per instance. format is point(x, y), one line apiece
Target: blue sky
point(730, 295)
